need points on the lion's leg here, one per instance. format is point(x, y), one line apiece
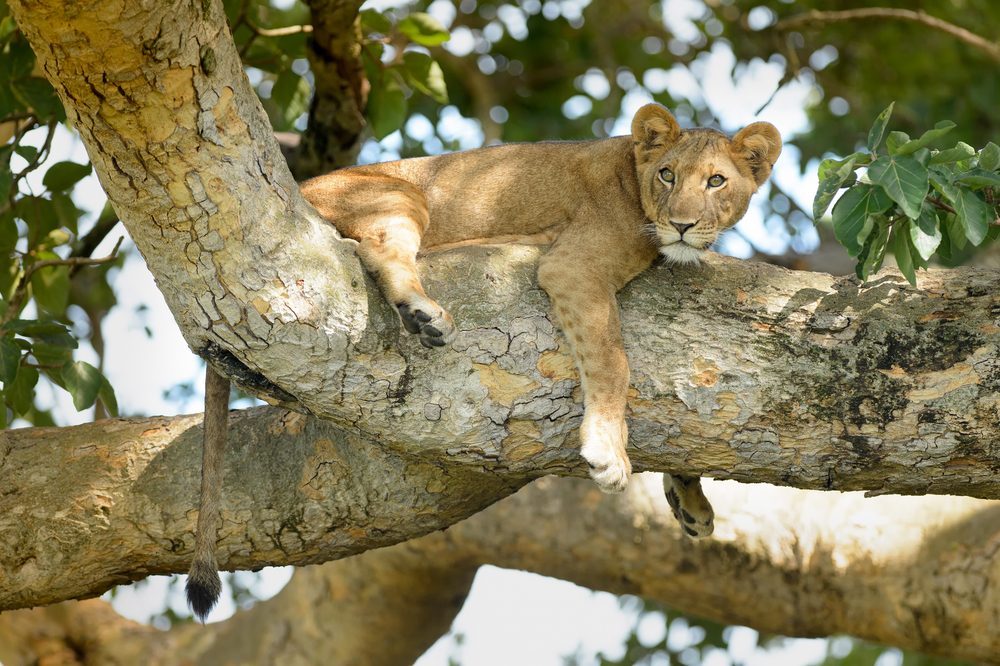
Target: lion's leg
point(689, 504)
point(581, 280)
point(388, 217)
point(388, 250)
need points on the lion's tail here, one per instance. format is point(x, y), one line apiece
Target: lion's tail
point(203, 585)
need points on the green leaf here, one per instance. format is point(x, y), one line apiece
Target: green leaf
point(8, 234)
point(940, 129)
point(21, 393)
point(423, 29)
point(10, 358)
point(425, 75)
point(974, 214)
point(56, 237)
point(386, 107)
point(904, 179)
point(62, 176)
point(27, 152)
point(895, 140)
point(7, 29)
point(51, 354)
point(37, 94)
point(83, 381)
point(375, 21)
point(50, 286)
point(851, 215)
point(6, 181)
point(20, 59)
point(873, 253)
point(901, 250)
point(832, 174)
point(291, 95)
point(107, 396)
point(989, 157)
point(40, 216)
point(43, 330)
point(878, 128)
point(926, 233)
point(67, 214)
point(979, 178)
point(961, 151)
point(955, 232)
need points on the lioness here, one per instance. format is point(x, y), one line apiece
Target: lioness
point(606, 207)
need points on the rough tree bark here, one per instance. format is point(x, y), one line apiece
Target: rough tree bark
point(740, 371)
point(918, 572)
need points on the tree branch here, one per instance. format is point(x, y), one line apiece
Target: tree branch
point(817, 17)
point(117, 498)
point(740, 370)
point(914, 572)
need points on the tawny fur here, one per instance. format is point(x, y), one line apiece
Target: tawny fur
point(203, 584)
point(606, 210)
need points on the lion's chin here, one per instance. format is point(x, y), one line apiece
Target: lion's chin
point(681, 253)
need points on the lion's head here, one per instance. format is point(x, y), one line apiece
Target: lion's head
point(696, 183)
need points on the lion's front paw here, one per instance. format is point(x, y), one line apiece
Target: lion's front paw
point(690, 506)
point(429, 320)
point(602, 444)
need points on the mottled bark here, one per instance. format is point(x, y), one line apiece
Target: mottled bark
point(93, 506)
point(917, 572)
point(740, 370)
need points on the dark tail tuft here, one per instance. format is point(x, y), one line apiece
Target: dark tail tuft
point(203, 587)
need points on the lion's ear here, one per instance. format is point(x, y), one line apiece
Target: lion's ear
point(654, 130)
point(757, 144)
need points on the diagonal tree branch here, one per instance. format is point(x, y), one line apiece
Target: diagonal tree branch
point(818, 17)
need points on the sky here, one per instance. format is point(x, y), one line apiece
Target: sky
point(147, 357)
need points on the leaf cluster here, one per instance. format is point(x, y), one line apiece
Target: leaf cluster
point(903, 195)
point(42, 248)
point(399, 65)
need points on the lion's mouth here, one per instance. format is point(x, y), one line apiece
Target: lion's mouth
point(681, 252)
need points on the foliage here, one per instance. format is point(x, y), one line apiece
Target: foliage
point(40, 284)
point(922, 202)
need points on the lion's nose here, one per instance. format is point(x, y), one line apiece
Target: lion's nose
point(680, 227)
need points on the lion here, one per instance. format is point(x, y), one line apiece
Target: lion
point(605, 208)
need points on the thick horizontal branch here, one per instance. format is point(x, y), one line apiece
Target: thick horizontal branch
point(118, 499)
point(740, 370)
point(914, 572)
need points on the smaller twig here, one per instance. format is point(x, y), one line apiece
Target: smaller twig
point(73, 261)
point(278, 32)
point(39, 156)
point(39, 366)
point(988, 47)
point(937, 203)
point(21, 291)
point(86, 245)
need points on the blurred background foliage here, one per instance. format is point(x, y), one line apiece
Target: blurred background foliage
point(442, 75)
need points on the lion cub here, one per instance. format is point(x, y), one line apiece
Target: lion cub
point(606, 207)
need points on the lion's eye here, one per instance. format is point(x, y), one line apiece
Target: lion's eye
point(666, 176)
point(716, 181)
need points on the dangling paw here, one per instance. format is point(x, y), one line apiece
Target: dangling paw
point(690, 506)
point(602, 444)
point(424, 317)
